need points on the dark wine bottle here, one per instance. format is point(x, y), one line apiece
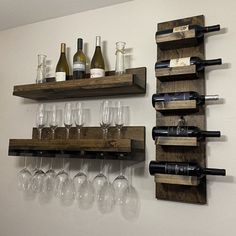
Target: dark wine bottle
point(182, 131)
point(97, 68)
point(183, 96)
point(199, 30)
point(187, 61)
point(79, 61)
point(182, 168)
point(62, 68)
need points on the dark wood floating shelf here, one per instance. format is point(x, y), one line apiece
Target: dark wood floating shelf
point(131, 146)
point(177, 73)
point(177, 141)
point(133, 82)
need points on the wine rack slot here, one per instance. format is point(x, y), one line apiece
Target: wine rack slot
point(177, 73)
point(177, 141)
point(178, 79)
point(177, 179)
point(176, 40)
point(176, 106)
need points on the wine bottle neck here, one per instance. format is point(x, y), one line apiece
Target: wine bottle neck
point(212, 171)
point(211, 97)
point(212, 62)
point(210, 133)
point(63, 48)
point(212, 28)
point(98, 41)
point(80, 44)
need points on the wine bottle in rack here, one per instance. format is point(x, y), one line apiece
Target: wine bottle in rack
point(62, 68)
point(199, 30)
point(182, 131)
point(187, 61)
point(97, 68)
point(183, 96)
point(182, 168)
point(79, 61)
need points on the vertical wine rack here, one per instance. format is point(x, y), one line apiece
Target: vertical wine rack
point(177, 188)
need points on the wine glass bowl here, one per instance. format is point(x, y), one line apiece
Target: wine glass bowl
point(106, 117)
point(79, 117)
point(54, 119)
point(68, 118)
point(41, 119)
point(67, 195)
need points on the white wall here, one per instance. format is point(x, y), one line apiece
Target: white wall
point(135, 23)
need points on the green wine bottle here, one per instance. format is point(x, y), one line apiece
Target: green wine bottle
point(97, 68)
point(79, 61)
point(62, 68)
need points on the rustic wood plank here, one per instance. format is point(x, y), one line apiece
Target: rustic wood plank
point(177, 141)
point(177, 179)
point(176, 105)
point(178, 40)
point(177, 73)
point(197, 154)
point(133, 82)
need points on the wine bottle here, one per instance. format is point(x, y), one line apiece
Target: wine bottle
point(182, 131)
point(97, 68)
point(187, 61)
point(62, 68)
point(199, 30)
point(79, 61)
point(182, 168)
point(183, 96)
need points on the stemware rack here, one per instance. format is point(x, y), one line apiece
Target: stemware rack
point(130, 146)
point(180, 149)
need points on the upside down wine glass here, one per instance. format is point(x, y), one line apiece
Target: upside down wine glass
point(24, 177)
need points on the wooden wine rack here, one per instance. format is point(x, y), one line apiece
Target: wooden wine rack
point(169, 187)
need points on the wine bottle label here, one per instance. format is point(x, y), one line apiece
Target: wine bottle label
point(95, 73)
point(181, 28)
point(60, 76)
point(176, 97)
point(177, 169)
point(185, 61)
point(78, 66)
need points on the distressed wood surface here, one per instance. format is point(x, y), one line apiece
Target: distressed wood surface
point(133, 82)
point(176, 105)
point(177, 141)
point(174, 192)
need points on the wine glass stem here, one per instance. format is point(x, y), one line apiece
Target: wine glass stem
point(79, 133)
point(119, 133)
point(67, 133)
point(105, 132)
point(53, 133)
point(40, 134)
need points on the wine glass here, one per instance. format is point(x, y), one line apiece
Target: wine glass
point(79, 117)
point(67, 195)
point(120, 183)
point(37, 180)
point(99, 180)
point(24, 177)
point(54, 119)
point(79, 179)
point(106, 116)
point(106, 198)
point(41, 119)
point(61, 177)
point(48, 184)
point(121, 114)
point(130, 201)
point(68, 118)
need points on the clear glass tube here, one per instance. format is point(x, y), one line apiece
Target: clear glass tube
point(120, 57)
point(41, 69)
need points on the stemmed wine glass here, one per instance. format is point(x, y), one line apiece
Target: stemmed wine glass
point(61, 177)
point(54, 119)
point(41, 119)
point(121, 115)
point(68, 120)
point(79, 117)
point(106, 199)
point(79, 179)
point(48, 184)
point(120, 183)
point(106, 116)
point(130, 201)
point(99, 180)
point(24, 177)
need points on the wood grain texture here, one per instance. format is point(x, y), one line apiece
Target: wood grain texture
point(177, 179)
point(133, 82)
point(177, 141)
point(177, 73)
point(130, 146)
point(174, 192)
point(176, 105)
